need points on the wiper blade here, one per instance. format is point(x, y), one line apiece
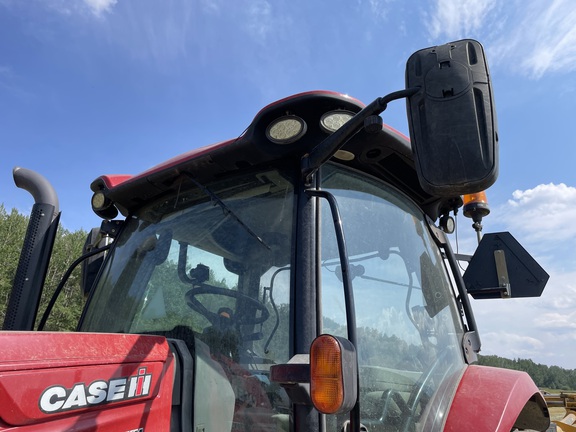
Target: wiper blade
point(227, 211)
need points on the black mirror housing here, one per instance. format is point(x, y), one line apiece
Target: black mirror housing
point(452, 119)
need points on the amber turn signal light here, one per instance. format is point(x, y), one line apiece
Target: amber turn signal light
point(333, 374)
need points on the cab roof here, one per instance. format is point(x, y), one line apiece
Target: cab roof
point(386, 155)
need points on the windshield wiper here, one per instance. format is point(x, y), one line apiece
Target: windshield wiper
point(227, 211)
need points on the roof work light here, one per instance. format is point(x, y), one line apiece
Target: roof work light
point(334, 120)
point(286, 129)
point(103, 206)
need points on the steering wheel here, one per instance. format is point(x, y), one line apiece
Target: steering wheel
point(214, 318)
point(417, 395)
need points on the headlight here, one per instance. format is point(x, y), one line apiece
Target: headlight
point(286, 130)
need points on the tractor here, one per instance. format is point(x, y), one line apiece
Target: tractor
point(297, 278)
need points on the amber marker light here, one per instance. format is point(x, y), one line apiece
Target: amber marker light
point(333, 376)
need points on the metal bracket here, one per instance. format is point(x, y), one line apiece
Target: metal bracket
point(471, 346)
point(463, 257)
point(294, 377)
point(502, 272)
point(437, 233)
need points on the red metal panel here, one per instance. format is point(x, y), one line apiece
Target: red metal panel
point(83, 381)
point(489, 399)
point(114, 180)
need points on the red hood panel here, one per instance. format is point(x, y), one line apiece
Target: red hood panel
point(82, 381)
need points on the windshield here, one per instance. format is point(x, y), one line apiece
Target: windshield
point(408, 326)
point(210, 266)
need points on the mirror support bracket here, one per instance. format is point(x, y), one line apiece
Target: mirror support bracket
point(502, 272)
point(471, 346)
point(325, 150)
point(463, 257)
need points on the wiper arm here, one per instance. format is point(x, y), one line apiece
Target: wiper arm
point(227, 211)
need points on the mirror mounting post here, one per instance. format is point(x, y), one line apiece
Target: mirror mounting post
point(326, 149)
point(502, 273)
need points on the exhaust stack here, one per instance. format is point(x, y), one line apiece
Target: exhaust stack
point(36, 251)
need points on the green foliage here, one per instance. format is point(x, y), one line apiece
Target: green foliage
point(67, 248)
point(12, 229)
point(377, 348)
point(544, 376)
point(67, 310)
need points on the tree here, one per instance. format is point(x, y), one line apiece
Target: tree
point(67, 247)
point(552, 377)
point(67, 310)
point(12, 230)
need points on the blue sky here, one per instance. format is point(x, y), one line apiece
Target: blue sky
point(91, 87)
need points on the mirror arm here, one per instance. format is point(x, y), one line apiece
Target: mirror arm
point(63, 281)
point(502, 272)
point(503, 290)
point(463, 257)
point(462, 292)
point(326, 149)
point(400, 94)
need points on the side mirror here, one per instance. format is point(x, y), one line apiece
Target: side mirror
point(502, 268)
point(452, 119)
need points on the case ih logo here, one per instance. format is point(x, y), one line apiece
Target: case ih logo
point(57, 398)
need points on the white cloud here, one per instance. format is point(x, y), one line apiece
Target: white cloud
point(98, 7)
point(457, 19)
point(550, 319)
point(212, 6)
point(530, 37)
point(543, 329)
point(73, 8)
point(545, 213)
point(259, 22)
point(510, 345)
point(379, 8)
point(529, 328)
point(544, 39)
point(558, 321)
point(555, 311)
